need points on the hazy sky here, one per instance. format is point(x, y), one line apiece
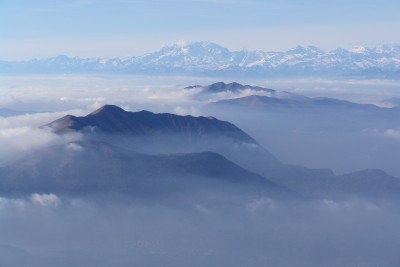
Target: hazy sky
point(107, 28)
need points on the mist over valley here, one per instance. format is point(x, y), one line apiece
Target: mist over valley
point(107, 171)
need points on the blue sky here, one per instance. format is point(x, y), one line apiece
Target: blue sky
point(107, 28)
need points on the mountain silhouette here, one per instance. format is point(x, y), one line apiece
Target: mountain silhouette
point(97, 167)
point(111, 119)
point(303, 103)
point(205, 153)
point(233, 87)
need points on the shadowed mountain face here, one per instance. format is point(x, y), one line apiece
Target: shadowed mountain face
point(269, 99)
point(114, 120)
point(233, 87)
point(164, 154)
point(151, 133)
point(304, 103)
point(96, 167)
point(209, 92)
point(323, 183)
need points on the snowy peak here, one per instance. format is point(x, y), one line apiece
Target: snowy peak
point(207, 58)
point(305, 50)
point(196, 49)
point(358, 50)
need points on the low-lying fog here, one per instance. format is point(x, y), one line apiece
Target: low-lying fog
point(52, 230)
point(343, 142)
point(48, 230)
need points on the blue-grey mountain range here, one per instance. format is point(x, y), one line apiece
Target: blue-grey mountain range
point(206, 58)
point(147, 154)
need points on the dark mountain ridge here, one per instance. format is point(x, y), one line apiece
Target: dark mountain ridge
point(97, 167)
point(233, 87)
point(111, 119)
point(101, 164)
point(151, 133)
point(211, 91)
point(317, 103)
point(270, 99)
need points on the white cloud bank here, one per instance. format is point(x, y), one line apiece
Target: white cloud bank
point(19, 136)
point(46, 200)
point(391, 134)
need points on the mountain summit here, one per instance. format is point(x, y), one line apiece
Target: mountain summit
point(233, 87)
point(111, 119)
point(155, 154)
point(141, 153)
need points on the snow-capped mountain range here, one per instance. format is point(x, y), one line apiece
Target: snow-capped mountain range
point(206, 58)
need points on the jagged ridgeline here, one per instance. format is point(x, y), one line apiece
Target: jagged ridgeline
point(206, 58)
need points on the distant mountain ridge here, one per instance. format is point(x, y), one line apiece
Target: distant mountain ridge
point(275, 103)
point(209, 91)
point(206, 58)
point(248, 96)
point(98, 167)
point(223, 87)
